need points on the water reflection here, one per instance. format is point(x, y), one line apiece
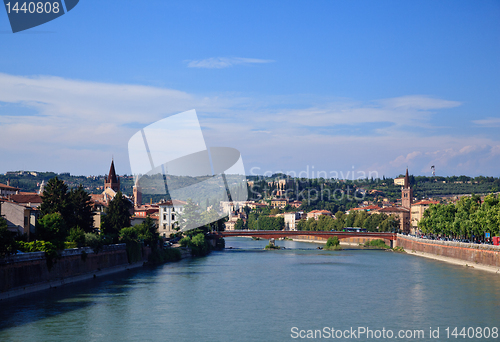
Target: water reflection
point(248, 294)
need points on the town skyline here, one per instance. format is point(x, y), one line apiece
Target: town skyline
point(316, 174)
point(378, 86)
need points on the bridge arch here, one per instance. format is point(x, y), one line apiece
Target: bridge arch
point(276, 234)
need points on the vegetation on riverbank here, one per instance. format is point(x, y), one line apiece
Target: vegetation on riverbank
point(66, 221)
point(271, 246)
point(399, 249)
point(378, 243)
point(332, 244)
point(468, 219)
point(198, 244)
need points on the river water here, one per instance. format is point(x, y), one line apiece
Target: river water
point(247, 294)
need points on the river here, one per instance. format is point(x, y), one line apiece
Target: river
point(247, 294)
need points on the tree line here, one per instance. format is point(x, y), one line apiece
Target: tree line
point(469, 218)
point(359, 219)
point(67, 221)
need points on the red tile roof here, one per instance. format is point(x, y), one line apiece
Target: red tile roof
point(8, 187)
point(425, 202)
point(324, 212)
point(173, 202)
point(26, 198)
point(392, 210)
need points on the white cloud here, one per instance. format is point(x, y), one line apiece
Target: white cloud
point(488, 122)
point(418, 102)
point(80, 116)
point(78, 125)
point(406, 110)
point(225, 62)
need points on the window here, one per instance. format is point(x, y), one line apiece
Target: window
point(173, 217)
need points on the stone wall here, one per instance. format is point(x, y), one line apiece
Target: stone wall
point(31, 269)
point(474, 253)
point(351, 240)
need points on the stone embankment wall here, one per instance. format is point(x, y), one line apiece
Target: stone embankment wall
point(29, 272)
point(474, 253)
point(352, 240)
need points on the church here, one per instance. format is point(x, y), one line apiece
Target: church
point(101, 201)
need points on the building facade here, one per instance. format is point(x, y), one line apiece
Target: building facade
point(279, 203)
point(169, 212)
point(315, 214)
point(20, 218)
point(417, 212)
point(291, 220)
point(6, 190)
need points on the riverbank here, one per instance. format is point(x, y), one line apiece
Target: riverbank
point(481, 257)
point(470, 253)
point(324, 242)
point(54, 284)
point(454, 261)
point(26, 273)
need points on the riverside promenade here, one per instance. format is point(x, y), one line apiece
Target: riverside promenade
point(471, 255)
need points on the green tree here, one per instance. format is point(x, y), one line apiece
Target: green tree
point(312, 224)
point(7, 240)
point(52, 228)
point(74, 205)
point(275, 211)
point(54, 198)
point(351, 218)
point(147, 232)
point(77, 235)
point(326, 223)
point(332, 243)
point(199, 245)
point(360, 219)
point(301, 225)
point(80, 210)
point(93, 241)
point(239, 225)
point(130, 236)
point(390, 224)
point(252, 221)
point(117, 216)
point(190, 218)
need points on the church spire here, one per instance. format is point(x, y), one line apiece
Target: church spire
point(112, 181)
point(407, 180)
point(112, 173)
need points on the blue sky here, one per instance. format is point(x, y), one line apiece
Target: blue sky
point(294, 85)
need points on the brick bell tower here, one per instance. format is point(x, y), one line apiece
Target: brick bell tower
point(112, 181)
point(406, 192)
point(137, 193)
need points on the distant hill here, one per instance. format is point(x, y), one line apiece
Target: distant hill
point(424, 187)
